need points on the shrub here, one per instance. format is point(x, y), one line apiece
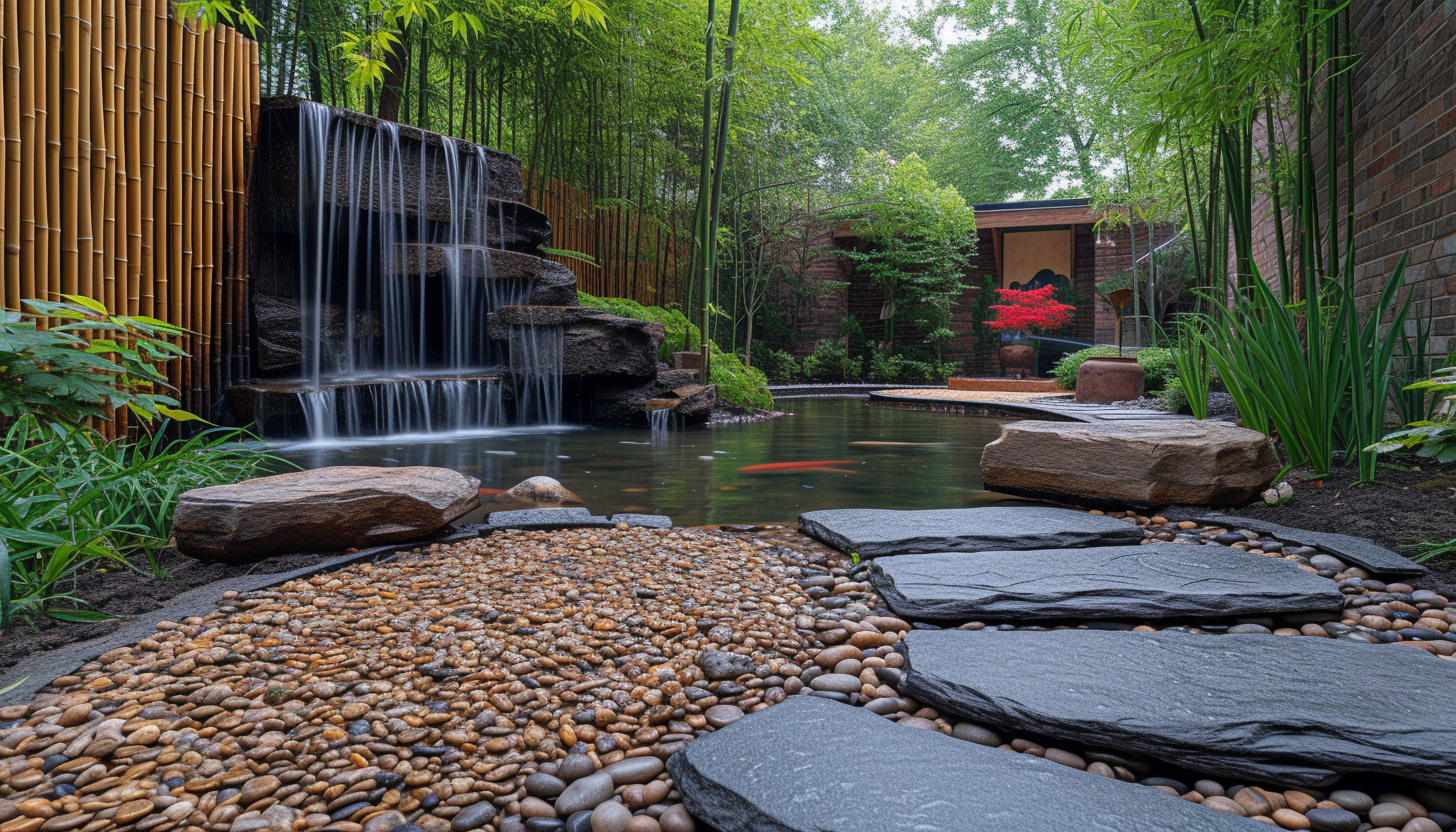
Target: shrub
point(1160, 366)
point(1065, 370)
point(830, 362)
point(777, 365)
point(1175, 398)
point(745, 387)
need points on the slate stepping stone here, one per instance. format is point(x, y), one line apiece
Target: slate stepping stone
point(1363, 553)
point(547, 519)
point(1160, 580)
point(648, 521)
point(818, 766)
point(874, 532)
point(1281, 709)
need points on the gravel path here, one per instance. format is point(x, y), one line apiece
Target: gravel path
point(537, 680)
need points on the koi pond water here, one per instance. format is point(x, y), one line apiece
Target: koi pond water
point(830, 453)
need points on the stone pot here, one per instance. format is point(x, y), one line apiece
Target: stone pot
point(1018, 360)
point(1108, 379)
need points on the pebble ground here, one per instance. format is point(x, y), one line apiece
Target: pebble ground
point(537, 680)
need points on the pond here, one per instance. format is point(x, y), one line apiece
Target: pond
point(831, 453)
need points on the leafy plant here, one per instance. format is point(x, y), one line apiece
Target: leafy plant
point(1160, 368)
point(70, 498)
point(1193, 367)
point(777, 365)
point(84, 363)
point(831, 363)
point(1023, 311)
point(745, 387)
point(1420, 550)
point(682, 334)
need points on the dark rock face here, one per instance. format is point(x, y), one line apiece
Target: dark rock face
point(1161, 580)
point(1363, 553)
point(280, 330)
point(594, 342)
point(676, 390)
point(555, 286)
point(875, 532)
point(1295, 711)
point(322, 509)
point(1131, 462)
point(811, 765)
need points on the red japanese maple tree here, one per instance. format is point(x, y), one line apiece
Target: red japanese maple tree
point(1029, 310)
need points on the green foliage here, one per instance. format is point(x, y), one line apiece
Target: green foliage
point(682, 334)
point(85, 363)
point(778, 365)
point(831, 363)
point(1429, 439)
point(745, 387)
point(921, 237)
point(1160, 367)
point(1418, 549)
point(69, 498)
point(1316, 374)
point(1065, 370)
point(1194, 369)
point(1175, 398)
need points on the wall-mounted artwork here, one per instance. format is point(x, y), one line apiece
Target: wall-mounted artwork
point(1032, 259)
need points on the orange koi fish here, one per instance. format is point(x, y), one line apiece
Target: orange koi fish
point(817, 464)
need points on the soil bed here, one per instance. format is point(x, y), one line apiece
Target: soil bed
point(1401, 507)
point(129, 592)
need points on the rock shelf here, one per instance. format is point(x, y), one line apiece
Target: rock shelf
point(875, 532)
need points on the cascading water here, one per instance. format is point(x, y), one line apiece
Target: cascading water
point(395, 284)
point(536, 354)
point(659, 420)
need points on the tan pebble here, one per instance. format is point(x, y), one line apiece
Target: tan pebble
point(643, 823)
point(37, 807)
point(1299, 801)
point(535, 807)
point(677, 819)
point(1224, 804)
point(1290, 819)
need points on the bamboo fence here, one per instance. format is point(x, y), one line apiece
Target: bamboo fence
point(637, 257)
point(127, 138)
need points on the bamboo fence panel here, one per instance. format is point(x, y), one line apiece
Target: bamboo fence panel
point(638, 258)
point(127, 138)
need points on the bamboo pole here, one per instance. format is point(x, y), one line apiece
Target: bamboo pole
point(29, 144)
point(52, 177)
point(194, 229)
point(176, 198)
point(70, 130)
point(131, 96)
point(112, 256)
point(10, 161)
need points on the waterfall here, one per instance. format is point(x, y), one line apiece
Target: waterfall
point(659, 420)
point(536, 370)
point(394, 285)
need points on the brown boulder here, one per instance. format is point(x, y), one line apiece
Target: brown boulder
point(536, 492)
point(1131, 463)
point(323, 509)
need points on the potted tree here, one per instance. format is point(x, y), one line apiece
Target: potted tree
point(1021, 313)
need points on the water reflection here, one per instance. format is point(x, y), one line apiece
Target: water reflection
point(832, 453)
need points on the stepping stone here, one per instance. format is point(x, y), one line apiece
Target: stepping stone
point(1160, 580)
point(545, 519)
point(1363, 553)
point(819, 766)
point(874, 532)
point(1291, 710)
point(648, 521)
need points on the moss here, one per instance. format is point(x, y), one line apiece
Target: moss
point(744, 387)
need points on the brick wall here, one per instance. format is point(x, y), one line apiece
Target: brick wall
point(1405, 151)
point(1118, 257)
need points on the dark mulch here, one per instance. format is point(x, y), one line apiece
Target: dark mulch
point(1400, 508)
point(130, 592)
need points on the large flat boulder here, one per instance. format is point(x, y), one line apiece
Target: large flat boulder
point(323, 509)
point(1282, 709)
point(594, 342)
point(1145, 463)
point(873, 532)
point(811, 765)
point(1160, 580)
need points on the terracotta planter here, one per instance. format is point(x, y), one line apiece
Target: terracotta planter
point(1108, 379)
point(1018, 360)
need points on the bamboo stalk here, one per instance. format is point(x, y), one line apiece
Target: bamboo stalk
point(52, 176)
point(70, 129)
point(131, 93)
point(176, 269)
point(146, 300)
point(11, 126)
point(111, 254)
point(30, 134)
